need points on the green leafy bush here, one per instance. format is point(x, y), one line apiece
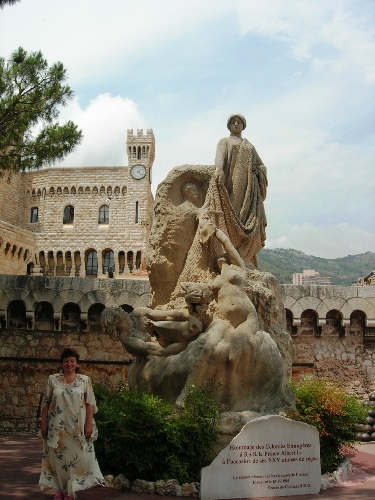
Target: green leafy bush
point(143, 437)
point(333, 412)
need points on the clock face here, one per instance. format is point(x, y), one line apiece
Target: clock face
point(138, 171)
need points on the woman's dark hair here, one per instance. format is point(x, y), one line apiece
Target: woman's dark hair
point(69, 353)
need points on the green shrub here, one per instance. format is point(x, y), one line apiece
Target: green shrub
point(143, 437)
point(333, 412)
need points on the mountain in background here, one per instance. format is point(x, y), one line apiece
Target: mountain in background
point(283, 262)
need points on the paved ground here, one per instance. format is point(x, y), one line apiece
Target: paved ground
point(20, 456)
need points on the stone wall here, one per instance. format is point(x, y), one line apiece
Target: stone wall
point(16, 249)
point(11, 199)
point(27, 359)
point(28, 355)
point(333, 332)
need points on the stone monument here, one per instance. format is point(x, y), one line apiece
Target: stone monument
point(271, 456)
point(213, 314)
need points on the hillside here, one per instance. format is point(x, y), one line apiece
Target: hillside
point(283, 262)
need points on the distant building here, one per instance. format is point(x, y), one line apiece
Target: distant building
point(367, 280)
point(311, 277)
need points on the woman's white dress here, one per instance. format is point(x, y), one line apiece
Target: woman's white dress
point(69, 463)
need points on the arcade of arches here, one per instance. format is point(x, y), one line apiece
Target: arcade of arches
point(91, 265)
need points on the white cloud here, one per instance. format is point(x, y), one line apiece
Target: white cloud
point(333, 35)
point(104, 122)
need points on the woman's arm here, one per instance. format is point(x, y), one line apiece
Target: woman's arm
point(89, 420)
point(44, 421)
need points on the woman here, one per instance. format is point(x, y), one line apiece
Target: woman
point(68, 430)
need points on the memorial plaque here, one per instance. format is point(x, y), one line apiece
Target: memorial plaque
point(271, 456)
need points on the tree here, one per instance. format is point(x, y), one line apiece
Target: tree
point(7, 2)
point(30, 94)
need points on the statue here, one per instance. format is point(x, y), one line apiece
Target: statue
point(238, 191)
point(213, 315)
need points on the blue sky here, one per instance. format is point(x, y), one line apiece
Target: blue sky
point(301, 71)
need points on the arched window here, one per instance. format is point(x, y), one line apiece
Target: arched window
point(68, 214)
point(138, 259)
point(130, 261)
point(104, 214)
point(92, 263)
point(121, 261)
point(108, 261)
point(34, 214)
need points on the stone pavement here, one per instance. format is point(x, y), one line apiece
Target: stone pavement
point(20, 456)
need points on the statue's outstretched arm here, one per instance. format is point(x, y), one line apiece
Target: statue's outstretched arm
point(168, 315)
point(232, 253)
point(139, 347)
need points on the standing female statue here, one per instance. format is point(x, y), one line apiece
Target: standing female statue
point(239, 190)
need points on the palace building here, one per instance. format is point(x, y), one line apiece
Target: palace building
point(82, 221)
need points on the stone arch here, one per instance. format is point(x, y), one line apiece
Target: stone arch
point(309, 323)
point(127, 308)
point(359, 303)
point(333, 324)
point(292, 330)
point(71, 317)
point(329, 303)
point(357, 323)
point(94, 312)
point(44, 316)
point(16, 314)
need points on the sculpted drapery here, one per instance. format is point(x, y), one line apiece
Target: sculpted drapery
point(237, 193)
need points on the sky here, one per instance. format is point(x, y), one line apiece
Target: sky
point(302, 72)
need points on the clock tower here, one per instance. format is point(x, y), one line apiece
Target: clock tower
point(141, 153)
point(140, 148)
